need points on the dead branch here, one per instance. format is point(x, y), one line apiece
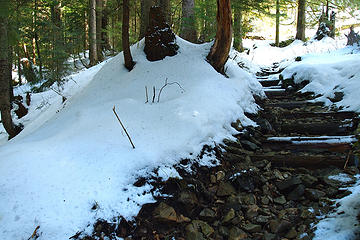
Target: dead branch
point(147, 96)
point(153, 99)
point(167, 84)
point(117, 116)
point(57, 92)
point(347, 159)
point(34, 233)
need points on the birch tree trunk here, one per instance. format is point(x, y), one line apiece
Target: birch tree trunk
point(92, 33)
point(219, 52)
point(300, 26)
point(188, 31)
point(129, 63)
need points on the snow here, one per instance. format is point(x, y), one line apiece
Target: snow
point(343, 223)
point(315, 140)
point(71, 156)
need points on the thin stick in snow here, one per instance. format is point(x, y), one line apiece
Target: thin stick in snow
point(117, 116)
point(166, 84)
point(147, 96)
point(153, 100)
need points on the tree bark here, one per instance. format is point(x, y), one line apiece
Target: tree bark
point(99, 9)
point(219, 52)
point(129, 63)
point(188, 30)
point(165, 7)
point(277, 34)
point(238, 34)
point(300, 27)
point(92, 33)
point(5, 105)
point(144, 19)
point(104, 25)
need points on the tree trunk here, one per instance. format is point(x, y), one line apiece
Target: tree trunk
point(5, 106)
point(144, 19)
point(104, 25)
point(300, 27)
point(165, 8)
point(238, 35)
point(129, 63)
point(188, 30)
point(99, 9)
point(277, 34)
point(92, 33)
point(219, 52)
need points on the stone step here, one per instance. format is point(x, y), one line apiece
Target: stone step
point(310, 144)
point(305, 160)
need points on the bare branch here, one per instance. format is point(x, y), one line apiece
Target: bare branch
point(147, 96)
point(117, 116)
point(167, 84)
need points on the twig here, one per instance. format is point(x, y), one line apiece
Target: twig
point(147, 96)
point(63, 97)
point(153, 100)
point(166, 84)
point(347, 159)
point(34, 233)
point(123, 127)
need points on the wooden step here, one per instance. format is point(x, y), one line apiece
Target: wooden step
point(333, 115)
point(317, 128)
point(291, 105)
point(269, 83)
point(311, 144)
point(307, 161)
point(276, 93)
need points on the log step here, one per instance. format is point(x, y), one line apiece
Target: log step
point(333, 115)
point(317, 128)
point(307, 161)
point(276, 93)
point(269, 83)
point(312, 144)
point(292, 105)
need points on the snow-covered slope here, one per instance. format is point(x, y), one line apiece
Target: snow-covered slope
point(65, 162)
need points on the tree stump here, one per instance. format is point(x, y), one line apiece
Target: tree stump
point(353, 37)
point(159, 39)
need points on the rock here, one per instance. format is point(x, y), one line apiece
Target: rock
point(308, 180)
point(237, 234)
point(298, 59)
point(212, 178)
point(251, 228)
point(297, 193)
point(245, 181)
point(292, 233)
point(284, 227)
point(207, 214)
point(188, 198)
point(262, 219)
point(307, 214)
point(249, 145)
point(164, 212)
point(220, 175)
point(160, 41)
point(280, 200)
point(274, 225)
point(225, 189)
point(248, 199)
point(252, 211)
point(224, 231)
point(288, 183)
point(198, 229)
point(269, 236)
point(338, 96)
point(314, 194)
point(229, 216)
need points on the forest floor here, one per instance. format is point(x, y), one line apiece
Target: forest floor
point(207, 163)
point(274, 181)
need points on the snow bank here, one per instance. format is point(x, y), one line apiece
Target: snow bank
point(75, 155)
point(343, 223)
point(329, 73)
